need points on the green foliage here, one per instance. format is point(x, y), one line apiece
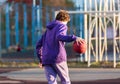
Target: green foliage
point(58, 3)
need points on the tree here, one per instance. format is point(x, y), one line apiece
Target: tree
point(58, 3)
point(54, 3)
point(21, 1)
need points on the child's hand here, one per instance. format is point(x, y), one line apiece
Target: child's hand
point(40, 65)
point(79, 40)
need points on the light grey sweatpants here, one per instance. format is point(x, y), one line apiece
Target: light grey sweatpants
point(60, 69)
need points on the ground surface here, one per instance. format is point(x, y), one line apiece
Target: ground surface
point(5, 80)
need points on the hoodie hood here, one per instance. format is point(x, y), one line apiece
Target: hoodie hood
point(52, 24)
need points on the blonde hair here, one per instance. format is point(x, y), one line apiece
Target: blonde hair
point(63, 16)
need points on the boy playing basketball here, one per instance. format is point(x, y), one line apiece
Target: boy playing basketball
point(51, 49)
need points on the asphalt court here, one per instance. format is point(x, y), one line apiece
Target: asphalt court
point(76, 74)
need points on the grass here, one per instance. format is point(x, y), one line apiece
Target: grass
point(102, 64)
point(77, 64)
point(93, 64)
point(70, 64)
point(18, 64)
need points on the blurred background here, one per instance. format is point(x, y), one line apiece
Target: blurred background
point(22, 23)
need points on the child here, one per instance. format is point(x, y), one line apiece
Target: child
point(51, 49)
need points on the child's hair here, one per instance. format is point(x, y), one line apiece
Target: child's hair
point(63, 16)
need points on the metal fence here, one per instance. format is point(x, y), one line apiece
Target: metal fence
point(22, 24)
point(101, 30)
point(97, 21)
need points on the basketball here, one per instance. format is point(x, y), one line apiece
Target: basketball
point(80, 47)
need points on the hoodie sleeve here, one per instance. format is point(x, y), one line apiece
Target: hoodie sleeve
point(39, 48)
point(62, 35)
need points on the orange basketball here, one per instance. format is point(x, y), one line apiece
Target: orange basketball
point(80, 47)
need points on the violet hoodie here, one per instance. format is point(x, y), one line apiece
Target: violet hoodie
point(50, 48)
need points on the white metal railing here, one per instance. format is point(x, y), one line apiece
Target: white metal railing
point(96, 22)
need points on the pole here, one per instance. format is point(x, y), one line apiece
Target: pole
point(0, 35)
point(38, 22)
point(7, 26)
point(17, 23)
point(81, 33)
point(34, 2)
point(25, 26)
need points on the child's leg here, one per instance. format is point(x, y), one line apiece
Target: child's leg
point(50, 74)
point(62, 71)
